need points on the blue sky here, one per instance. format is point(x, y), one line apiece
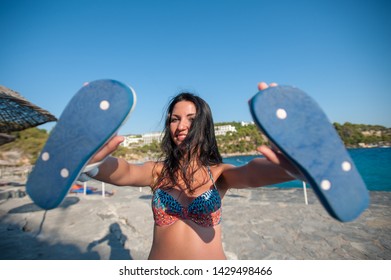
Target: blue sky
point(338, 51)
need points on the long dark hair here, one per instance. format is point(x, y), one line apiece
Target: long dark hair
point(198, 150)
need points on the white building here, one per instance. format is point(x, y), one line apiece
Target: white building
point(246, 123)
point(224, 129)
point(131, 140)
point(148, 138)
point(143, 139)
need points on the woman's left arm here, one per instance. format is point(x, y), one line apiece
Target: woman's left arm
point(259, 172)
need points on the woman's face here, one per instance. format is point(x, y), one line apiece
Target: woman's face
point(181, 119)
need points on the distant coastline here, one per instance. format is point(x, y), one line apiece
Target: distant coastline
point(233, 138)
point(371, 146)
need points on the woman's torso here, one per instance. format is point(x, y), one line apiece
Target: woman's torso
point(179, 233)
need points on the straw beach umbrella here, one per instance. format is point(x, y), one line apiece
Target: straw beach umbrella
point(17, 113)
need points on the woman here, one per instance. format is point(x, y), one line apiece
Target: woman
point(190, 182)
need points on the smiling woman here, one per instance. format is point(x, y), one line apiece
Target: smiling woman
point(181, 120)
point(189, 140)
point(189, 183)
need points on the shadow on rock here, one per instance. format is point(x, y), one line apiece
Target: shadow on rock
point(31, 207)
point(146, 197)
point(116, 240)
point(16, 244)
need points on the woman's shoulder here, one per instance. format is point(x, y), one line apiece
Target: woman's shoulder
point(154, 166)
point(221, 167)
point(218, 174)
point(151, 164)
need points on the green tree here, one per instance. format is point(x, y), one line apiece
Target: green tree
point(29, 142)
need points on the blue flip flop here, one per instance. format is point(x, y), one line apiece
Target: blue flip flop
point(298, 127)
point(91, 118)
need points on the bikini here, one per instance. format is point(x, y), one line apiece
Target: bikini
point(204, 210)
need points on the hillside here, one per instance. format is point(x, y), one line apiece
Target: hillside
point(25, 149)
point(248, 137)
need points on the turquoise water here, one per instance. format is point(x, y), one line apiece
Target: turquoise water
point(373, 164)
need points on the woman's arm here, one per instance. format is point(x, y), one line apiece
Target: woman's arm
point(258, 172)
point(118, 171)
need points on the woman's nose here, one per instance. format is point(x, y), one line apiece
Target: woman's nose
point(183, 124)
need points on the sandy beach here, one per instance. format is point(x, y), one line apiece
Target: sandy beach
point(266, 223)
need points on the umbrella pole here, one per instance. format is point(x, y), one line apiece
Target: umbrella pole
point(305, 193)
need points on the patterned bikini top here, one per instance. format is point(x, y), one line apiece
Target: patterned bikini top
point(204, 210)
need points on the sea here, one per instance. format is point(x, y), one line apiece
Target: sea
point(374, 165)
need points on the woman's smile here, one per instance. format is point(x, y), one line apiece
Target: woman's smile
point(181, 120)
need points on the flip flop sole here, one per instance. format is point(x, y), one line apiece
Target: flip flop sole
point(299, 128)
point(91, 118)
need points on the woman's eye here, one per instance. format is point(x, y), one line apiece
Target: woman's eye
point(173, 120)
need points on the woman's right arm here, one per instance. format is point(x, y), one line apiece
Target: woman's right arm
point(118, 171)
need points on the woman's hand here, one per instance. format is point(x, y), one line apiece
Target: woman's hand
point(263, 85)
point(107, 149)
point(276, 157)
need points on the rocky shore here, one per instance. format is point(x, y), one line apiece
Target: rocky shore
point(265, 223)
